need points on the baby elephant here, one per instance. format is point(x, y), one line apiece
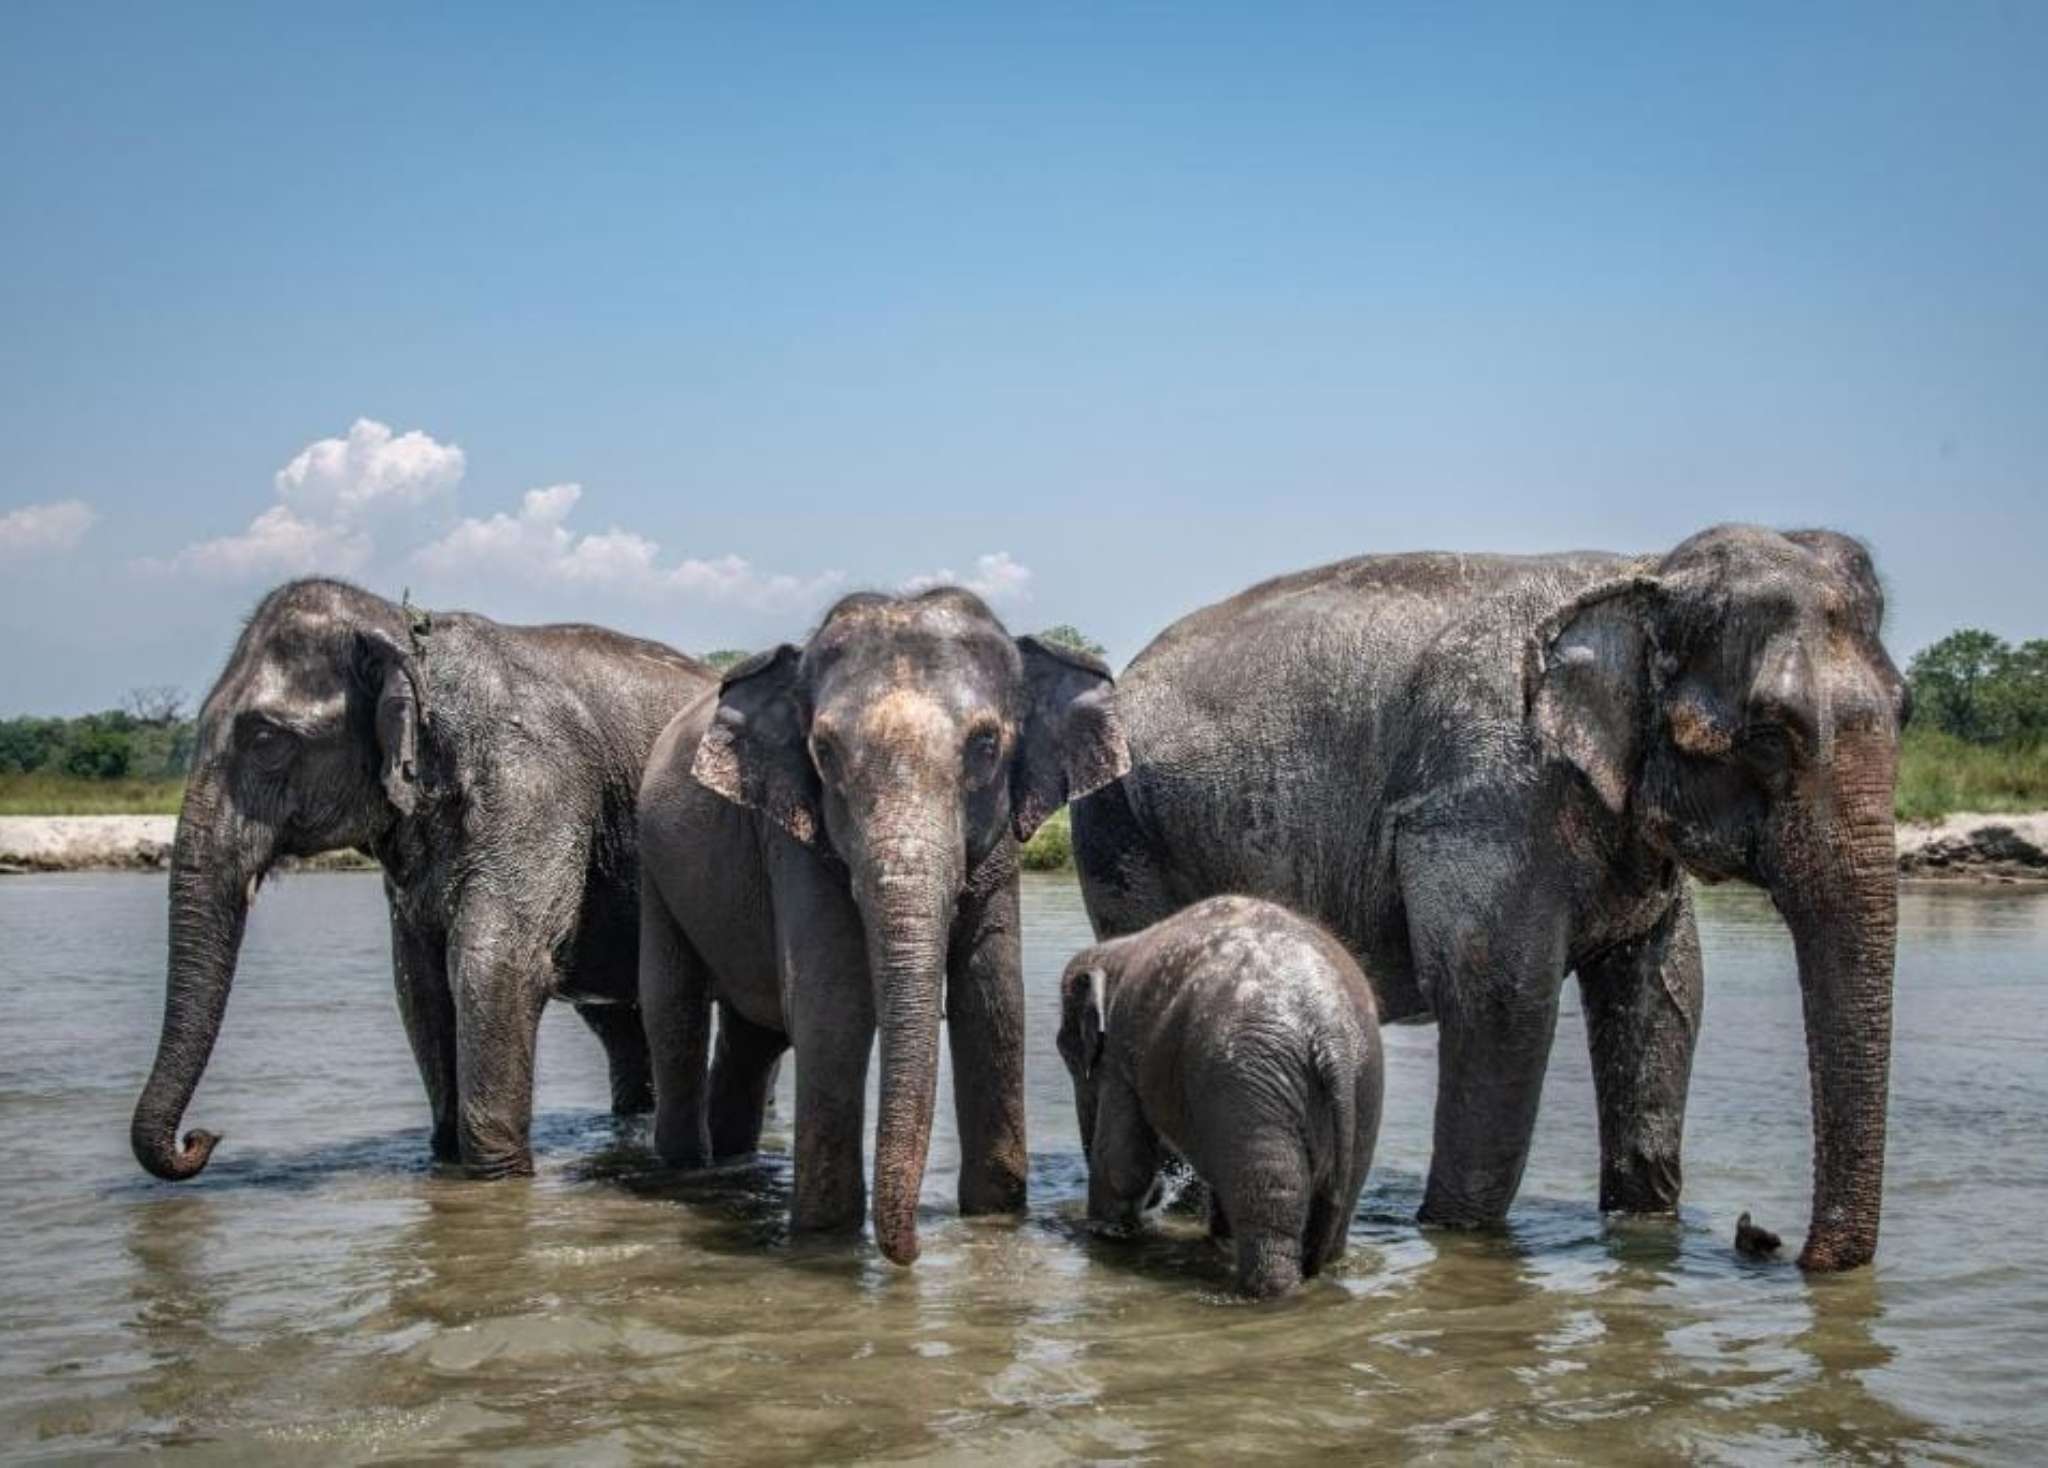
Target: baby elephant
point(1244, 1038)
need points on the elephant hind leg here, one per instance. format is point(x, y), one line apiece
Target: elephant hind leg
point(1642, 1003)
point(747, 1060)
point(618, 1028)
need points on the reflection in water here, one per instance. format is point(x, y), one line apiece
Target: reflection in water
point(323, 1292)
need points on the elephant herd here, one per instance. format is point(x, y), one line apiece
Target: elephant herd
point(1477, 774)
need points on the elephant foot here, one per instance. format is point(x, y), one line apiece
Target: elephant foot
point(1641, 1185)
point(446, 1145)
point(492, 1169)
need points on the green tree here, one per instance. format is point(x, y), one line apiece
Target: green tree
point(723, 658)
point(2015, 700)
point(97, 754)
point(1066, 634)
point(1950, 679)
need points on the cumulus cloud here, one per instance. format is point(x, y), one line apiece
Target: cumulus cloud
point(332, 492)
point(370, 469)
point(279, 543)
point(57, 526)
point(998, 579)
point(538, 544)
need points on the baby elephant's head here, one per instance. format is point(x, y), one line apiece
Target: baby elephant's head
point(1084, 1030)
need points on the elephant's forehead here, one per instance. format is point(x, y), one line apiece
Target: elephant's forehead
point(905, 713)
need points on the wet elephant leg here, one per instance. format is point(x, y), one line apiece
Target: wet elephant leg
point(1642, 1002)
point(1123, 1158)
point(419, 968)
point(742, 1079)
point(499, 978)
point(675, 1013)
point(985, 1030)
point(1487, 939)
point(624, 1037)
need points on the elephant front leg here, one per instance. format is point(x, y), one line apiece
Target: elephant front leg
point(1487, 937)
point(675, 1012)
point(1123, 1158)
point(624, 1037)
point(985, 1030)
point(831, 1117)
point(1642, 1002)
point(419, 968)
point(742, 1078)
point(498, 979)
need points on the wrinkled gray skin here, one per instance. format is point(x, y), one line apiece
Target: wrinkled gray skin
point(1245, 1039)
point(1486, 772)
point(493, 775)
point(831, 854)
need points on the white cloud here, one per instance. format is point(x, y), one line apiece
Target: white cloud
point(331, 491)
point(279, 543)
point(57, 526)
point(347, 478)
point(537, 543)
point(998, 579)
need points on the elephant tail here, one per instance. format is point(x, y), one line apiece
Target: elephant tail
point(1338, 1176)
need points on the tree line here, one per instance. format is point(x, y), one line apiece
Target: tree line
point(1979, 688)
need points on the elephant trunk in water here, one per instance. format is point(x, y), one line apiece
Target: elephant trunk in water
point(213, 870)
point(907, 895)
point(1840, 900)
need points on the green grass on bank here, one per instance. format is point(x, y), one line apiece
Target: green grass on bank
point(43, 793)
point(1940, 774)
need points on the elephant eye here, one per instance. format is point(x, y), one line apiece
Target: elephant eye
point(1767, 747)
point(983, 748)
point(825, 755)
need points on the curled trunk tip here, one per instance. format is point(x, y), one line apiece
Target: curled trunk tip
point(160, 1153)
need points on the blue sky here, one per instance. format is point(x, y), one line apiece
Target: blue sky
point(1110, 310)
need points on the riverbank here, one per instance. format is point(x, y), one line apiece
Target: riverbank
point(111, 844)
point(1973, 847)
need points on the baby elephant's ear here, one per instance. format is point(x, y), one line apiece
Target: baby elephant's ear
point(754, 752)
point(1094, 1021)
point(1071, 742)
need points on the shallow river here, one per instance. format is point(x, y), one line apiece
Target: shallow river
point(320, 1295)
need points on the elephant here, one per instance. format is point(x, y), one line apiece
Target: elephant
point(492, 772)
point(1485, 772)
point(831, 854)
point(1244, 1038)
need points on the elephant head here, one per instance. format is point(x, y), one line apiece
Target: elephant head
point(1734, 703)
point(312, 740)
point(908, 739)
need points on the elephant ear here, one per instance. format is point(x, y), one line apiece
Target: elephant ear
point(1094, 1020)
point(1070, 741)
point(754, 751)
point(1588, 671)
point(390, 676)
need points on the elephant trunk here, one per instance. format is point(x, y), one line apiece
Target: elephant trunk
point(1840, 901)
point(213, 873)
point(907, 901)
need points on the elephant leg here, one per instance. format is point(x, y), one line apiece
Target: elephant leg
point(624, 1037)
point(1642, 1002)
point(419, 968)
point(831, 1122)
point(742, 1076)
point(1488, 944)
point(498, 976)
point(985, 1029)
point(1123, 1158)
point(675, 1014)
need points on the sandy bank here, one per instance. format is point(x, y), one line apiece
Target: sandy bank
point(103, 843)
point(1993, 848)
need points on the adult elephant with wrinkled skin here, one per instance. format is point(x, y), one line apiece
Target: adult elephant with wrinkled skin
point(492, 771)
point(830, 850)
point(1487, 772)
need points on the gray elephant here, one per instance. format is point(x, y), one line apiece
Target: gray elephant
point(831, 852)
point(1244, 1038)
point(492, 771)
point(1486, 772)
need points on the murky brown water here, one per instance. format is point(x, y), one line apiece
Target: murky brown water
point(320, 1295)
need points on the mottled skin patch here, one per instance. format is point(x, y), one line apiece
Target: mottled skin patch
point(1484, 773)
point(831, 845)
point(492, 771)
point(1245, 1039)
